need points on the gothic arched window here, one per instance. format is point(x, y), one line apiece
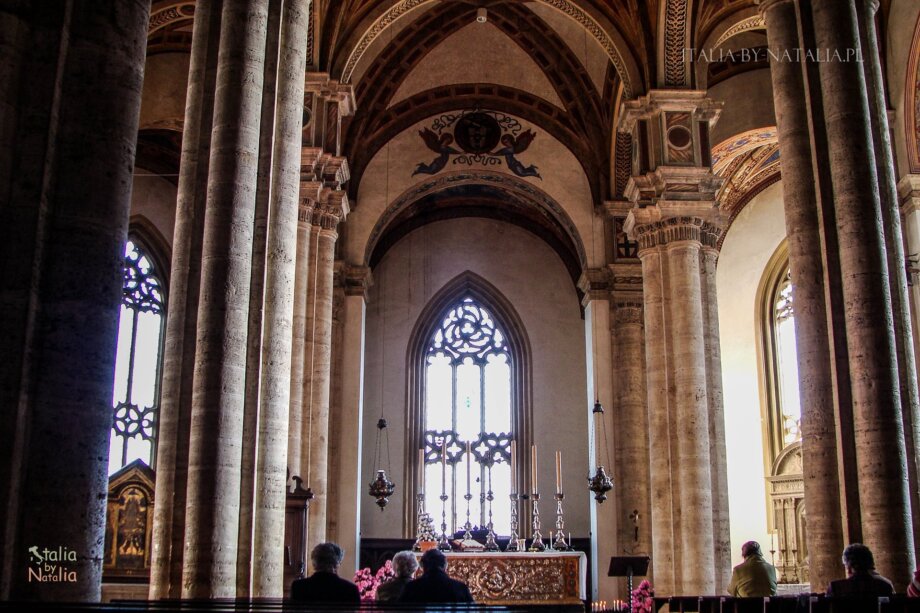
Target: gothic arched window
point(136, 396)
point(782, 416)
point(468, 406)
point(780, 361)
point(469, 367)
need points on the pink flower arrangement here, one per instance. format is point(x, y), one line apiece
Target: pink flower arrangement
point(368, 582)
point(642, 598)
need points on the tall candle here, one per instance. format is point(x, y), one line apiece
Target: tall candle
point(421, 471)
point(533, 469)
point(513, 466)
point(469, 461)
point(443, 467)
point(558, 472)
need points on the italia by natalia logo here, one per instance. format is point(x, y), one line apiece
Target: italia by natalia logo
point(52, 565)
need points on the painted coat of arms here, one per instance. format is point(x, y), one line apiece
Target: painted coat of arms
point(481, 137)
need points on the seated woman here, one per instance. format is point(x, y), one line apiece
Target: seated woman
point(405, 565)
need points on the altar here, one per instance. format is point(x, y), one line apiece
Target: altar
point(551, 577)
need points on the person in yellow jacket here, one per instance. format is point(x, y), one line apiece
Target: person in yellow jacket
point(753, 577)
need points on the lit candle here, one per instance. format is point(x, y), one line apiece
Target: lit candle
point(469, 461)
point(421, 471)
point(533, 469)
point(558, 472)
point(443, 467)
point(513, 465)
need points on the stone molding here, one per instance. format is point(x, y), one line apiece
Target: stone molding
point(595, 283)
point(909, 194)
point(355, 280)
point(320, 84)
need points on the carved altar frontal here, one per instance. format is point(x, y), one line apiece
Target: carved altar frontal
point(516, 578)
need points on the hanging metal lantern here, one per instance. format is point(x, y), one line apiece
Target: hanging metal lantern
point(381, 487)
point(600, 484)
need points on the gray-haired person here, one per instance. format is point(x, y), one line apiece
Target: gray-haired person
point(324, 585)
point(404, 565)
point(862, 580)
point(753, 577)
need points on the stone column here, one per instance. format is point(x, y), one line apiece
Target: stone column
point(894, 240)
point(673, 192)
point(257, 296)
point(664, 529)
point(63, 223)
point(309, 193)
point(326, 217)
point(717, 454)
point(212, 508)
point(877, 426)
point(632, 427)
point(818, 388)
point(909, 196)
point(691, 405)
point(281, 251)
point(174, 420)
point(347, 481)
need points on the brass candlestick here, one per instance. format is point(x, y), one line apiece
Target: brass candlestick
point(491, 544)
point(513, 541)
point(560, 544)
point(537, 543)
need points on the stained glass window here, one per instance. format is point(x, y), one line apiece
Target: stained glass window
point(136, 396)
point(468, 425)
point(787, 365)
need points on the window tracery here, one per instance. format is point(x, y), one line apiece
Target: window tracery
point(135, 398)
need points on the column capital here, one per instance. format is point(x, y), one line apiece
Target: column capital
point(909, 193)
point(595, 283)
point(355, 280)
point(669, 231)
point(628, 311)
point(309, 196)
point(659, 102)
point(331, 208)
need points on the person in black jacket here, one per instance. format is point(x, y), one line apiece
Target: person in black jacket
point(324, 585)
point(862, 580)
point(434, 585)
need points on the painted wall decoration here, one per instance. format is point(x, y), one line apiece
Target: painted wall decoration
point(912, 104)
point(481, 137)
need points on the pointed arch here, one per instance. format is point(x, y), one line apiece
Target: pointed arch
point(466, 285)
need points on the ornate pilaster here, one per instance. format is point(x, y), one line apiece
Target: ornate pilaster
point(674, 215)
point(595, 283)
point(632, 427)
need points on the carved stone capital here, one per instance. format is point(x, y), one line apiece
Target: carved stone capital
point(628, 312)
point(668, 231)
point(331, 209)
point(309, 196)
point(595, 283)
